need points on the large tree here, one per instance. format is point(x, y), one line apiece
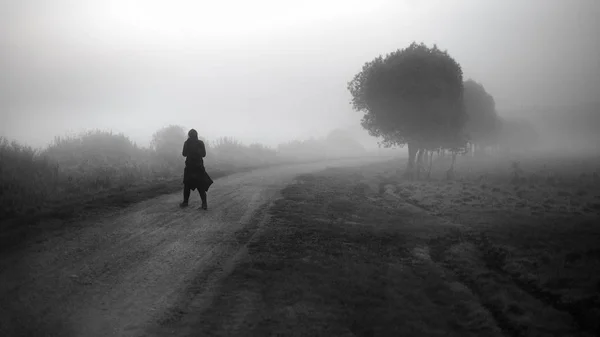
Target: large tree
point(412, 96)
point(482, 124)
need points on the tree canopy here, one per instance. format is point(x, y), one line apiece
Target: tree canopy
point(411, 96)
point(482, 125)
point(168, 141)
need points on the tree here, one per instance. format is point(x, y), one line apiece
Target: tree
point(482, 125)
point(413, 96)
point(168, 141)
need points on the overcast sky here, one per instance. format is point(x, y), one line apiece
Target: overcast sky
point(268, 70)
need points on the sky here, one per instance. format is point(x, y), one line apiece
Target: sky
point(265, 70)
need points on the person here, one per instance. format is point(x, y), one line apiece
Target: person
point(194, 174)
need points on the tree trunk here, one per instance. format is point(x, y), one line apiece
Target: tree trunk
point(412, 153)
point(420, 162)
point(430, 164)
point(450, 172)
point(453, 160)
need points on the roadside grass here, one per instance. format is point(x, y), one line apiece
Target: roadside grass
point(363, 252)
point(21, 229)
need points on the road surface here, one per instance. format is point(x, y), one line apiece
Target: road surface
point(147, 265)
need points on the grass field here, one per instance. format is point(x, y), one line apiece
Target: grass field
point(504, 249)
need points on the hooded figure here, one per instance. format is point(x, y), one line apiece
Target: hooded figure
point(194, 175)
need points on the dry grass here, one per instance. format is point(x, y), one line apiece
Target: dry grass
point(531, 227)
point(74, 168)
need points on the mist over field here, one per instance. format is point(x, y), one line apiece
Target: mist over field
point(300, 168)
point(239, 69)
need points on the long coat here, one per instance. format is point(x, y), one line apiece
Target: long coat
point(194, 174)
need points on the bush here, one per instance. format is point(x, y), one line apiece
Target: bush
point(229, 152)
point(73, 167)
point(26, 179)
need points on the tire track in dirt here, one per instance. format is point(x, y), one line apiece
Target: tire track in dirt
point(202, 289)
point(436, 249)
point(74, 246)
point(494, 260)
point(76, 274)
point(147, 283)
point(491, 261)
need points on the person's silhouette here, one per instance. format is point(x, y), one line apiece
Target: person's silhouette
point(194, 175)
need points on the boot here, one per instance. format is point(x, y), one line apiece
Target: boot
point(186, 196)
point(203, 197)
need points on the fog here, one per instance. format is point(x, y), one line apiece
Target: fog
point(271, 71)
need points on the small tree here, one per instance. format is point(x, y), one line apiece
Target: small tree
point(482, 124)
point(412, 96)
point(341, 142)
point(168, 141)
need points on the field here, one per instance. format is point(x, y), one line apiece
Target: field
point(511, 247)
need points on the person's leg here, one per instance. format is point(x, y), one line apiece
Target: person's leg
point(203, 197)
point(186, 195)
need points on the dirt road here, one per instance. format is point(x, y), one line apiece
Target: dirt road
point(127, 271)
